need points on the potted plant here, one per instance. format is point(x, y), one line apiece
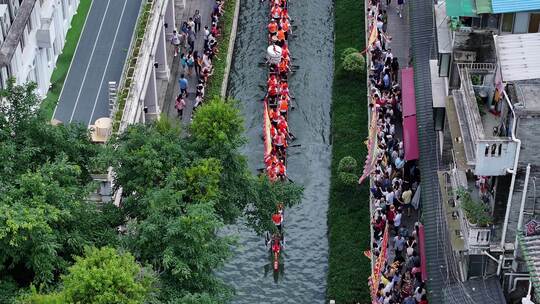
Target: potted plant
point(477, 213)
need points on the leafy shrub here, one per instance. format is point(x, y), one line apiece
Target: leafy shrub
point(476, 212)
point(346, 168)
point(347, 164)
point(349, 179)
point(347, 52)
point(354, 63)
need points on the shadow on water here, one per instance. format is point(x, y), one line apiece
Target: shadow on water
point(306, 250)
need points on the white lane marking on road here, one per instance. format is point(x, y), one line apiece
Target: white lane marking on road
point(89, 61)
point(73, 58)
point(107, 64)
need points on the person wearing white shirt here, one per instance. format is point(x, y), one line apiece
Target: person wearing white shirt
point(397, 221)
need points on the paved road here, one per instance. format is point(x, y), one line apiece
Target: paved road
point(99, 58)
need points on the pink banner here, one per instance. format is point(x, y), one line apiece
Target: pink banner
point(372, 148)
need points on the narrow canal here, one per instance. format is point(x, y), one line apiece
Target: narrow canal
point(306, 250)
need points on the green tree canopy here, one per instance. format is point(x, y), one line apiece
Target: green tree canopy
point(217, 128)
point(44, 220)
point(102, 276)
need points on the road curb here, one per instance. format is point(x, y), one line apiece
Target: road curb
point(230, 51)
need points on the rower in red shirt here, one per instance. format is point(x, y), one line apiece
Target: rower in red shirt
point(272, 27)
point(282, 170)
point(277, 218)
point(283, 105)
point(276, 12)
point(285, 54)
point(273, 90)
point(272, 80)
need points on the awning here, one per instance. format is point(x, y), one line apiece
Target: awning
point(512, 6)
point(463, 8)
point(410, 138)
point(483, 7)
point(518, 56)
point(422, 249)
point(407, 92)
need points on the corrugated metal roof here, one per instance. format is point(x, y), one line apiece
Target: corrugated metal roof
point(510, 6)
point(439, 257)
point(477, 291)
point(483, 6)
point(518, 56)
point(460, 8)
point(530, 245)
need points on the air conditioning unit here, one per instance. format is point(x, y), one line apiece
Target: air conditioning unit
point(464, 56)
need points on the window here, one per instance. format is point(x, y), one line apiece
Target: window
point(534, 23)
point(521, 23)
point(507, 23)
point(490, 21)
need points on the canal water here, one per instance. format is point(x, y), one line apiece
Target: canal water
point(306, 252)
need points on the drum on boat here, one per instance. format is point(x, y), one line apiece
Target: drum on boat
point(273, 54)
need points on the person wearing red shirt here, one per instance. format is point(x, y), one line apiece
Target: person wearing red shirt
point(272, 27)
point(277, 218)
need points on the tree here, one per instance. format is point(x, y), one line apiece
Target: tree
point(17, 107)
point(102, 276)
point(180, 242)
point(106, 276)
point(217, 128)
point(44, 220)
point(143, 157)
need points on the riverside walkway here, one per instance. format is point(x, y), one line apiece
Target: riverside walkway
point(169, 91)
point(99, 58)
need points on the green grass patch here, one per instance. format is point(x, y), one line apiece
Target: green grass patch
point(215, 82)
point(348, 215)
point(64, 60)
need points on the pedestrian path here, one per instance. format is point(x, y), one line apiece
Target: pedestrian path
point(172, 89)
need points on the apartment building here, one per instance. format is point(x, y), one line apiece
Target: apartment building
point(485, 85)
point(32, 35)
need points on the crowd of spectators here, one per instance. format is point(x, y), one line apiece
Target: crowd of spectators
point(394, 180)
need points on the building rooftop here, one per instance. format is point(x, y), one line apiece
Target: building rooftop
point(518, 56)
point(442, 22)
point(477, 291)
point(512, 6)
point(530, 245)
point(527, 92)
point(8, 47)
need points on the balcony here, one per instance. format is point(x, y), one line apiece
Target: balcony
point(481, 129)
point(45, 35)
point(468, 206)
